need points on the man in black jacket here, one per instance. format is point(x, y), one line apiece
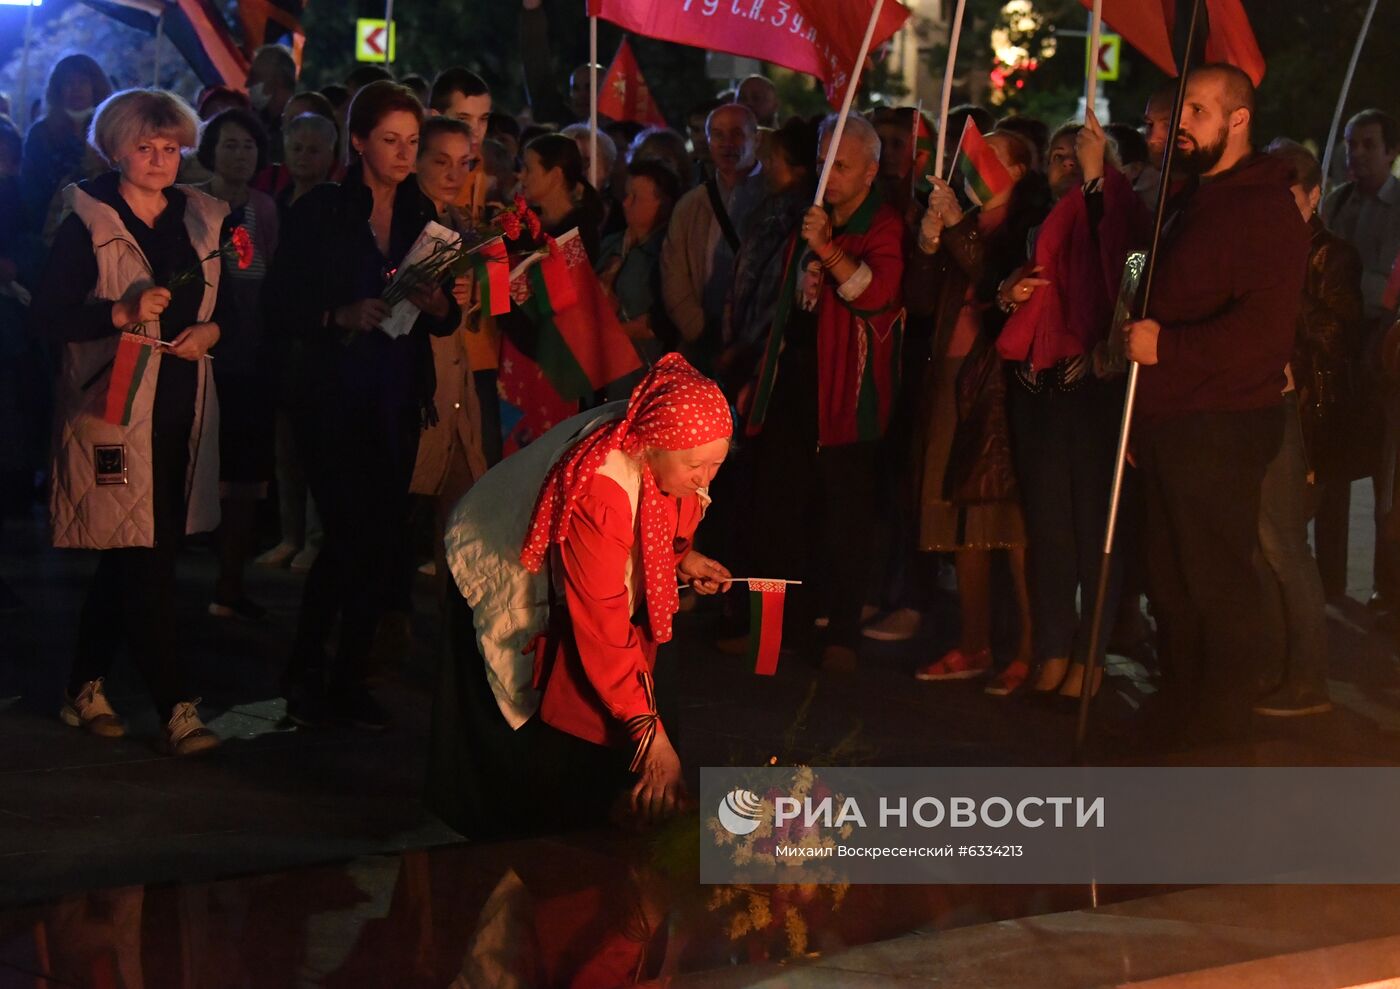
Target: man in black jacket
point(1210, 402)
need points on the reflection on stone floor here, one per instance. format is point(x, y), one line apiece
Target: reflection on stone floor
point(606, 910)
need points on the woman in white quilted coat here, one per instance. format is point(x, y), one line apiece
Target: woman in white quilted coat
point(136, 457)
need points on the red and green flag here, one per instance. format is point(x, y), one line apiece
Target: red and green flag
point(923, 153)
point(766, 599)
point(129, 367)
point(983, 171)
point(579, 344)
point(492, 266)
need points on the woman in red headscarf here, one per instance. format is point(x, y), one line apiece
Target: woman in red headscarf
point(611, 532)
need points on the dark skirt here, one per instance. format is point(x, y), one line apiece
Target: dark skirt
point(491, 782)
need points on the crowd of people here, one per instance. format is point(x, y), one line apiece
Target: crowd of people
point(925, 372)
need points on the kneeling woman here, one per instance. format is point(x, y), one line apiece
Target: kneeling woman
point(587, 584)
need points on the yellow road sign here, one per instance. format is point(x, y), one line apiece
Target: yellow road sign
point(1110, 50)
point(373, 42)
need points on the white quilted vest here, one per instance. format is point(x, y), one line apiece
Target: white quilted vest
point(89, 511)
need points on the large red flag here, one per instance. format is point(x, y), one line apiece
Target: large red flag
point(819, 37)
point(624, 94)
point(1147, 25)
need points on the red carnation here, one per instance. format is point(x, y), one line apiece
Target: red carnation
point(510, 224)
point(521, 206)
point(532, 221)
point(242, 247)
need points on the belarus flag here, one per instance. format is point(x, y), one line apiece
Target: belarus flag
point(986, 176)
point(766, 598)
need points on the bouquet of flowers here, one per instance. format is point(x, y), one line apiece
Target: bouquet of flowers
point(446, 259)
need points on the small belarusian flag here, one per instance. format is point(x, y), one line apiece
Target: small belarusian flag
point(766, 599)
point(493, 275)
point(577, 341)
point(128, 369)
point(923, 152)
point(986, 176)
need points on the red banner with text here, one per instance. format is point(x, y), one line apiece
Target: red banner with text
point(819, 37)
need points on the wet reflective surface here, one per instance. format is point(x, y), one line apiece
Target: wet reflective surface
point(595, 910)
point(606, 910)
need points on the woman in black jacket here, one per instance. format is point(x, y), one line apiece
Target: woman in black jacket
point(362, 396)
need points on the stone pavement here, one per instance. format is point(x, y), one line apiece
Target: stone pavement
point(79, 814)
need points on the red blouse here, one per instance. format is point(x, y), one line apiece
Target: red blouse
point(597, 683)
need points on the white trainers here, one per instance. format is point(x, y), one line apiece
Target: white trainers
point(185, 734)
point(91, 712)
point(899, 625)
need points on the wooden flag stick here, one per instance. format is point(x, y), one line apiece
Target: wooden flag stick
point(1091, 82)
point(851, 88)
point(753, 580)
point(954, 35)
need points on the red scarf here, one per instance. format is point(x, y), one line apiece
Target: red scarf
point(674, 407)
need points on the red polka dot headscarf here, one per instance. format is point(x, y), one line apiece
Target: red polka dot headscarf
point(674, 407)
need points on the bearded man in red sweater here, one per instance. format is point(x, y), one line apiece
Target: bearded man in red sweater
point(1229, 280)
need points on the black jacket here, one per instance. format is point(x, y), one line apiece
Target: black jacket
point(327, 258)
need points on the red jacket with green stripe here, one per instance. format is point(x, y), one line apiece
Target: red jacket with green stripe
point(858, 339)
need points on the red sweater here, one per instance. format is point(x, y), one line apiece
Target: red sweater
point(858, 342)
point(598, 679)
point(1228, 287)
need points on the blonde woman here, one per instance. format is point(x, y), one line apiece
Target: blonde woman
point(134, 490)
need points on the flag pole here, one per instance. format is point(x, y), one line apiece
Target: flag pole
point(1086, 689)
point(914, 148)
point(22, 113)
point(953, 36)
point(1091, 82)
point(1346, 90)
point(851, 88)
point(160, 33)
point(593, 101)
point(389, 32)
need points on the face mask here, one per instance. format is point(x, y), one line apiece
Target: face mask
point(259, 96)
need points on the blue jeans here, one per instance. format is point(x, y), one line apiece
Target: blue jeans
point(1064, 445)
point(1283, 538)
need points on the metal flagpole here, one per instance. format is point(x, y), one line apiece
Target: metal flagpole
point(160, 33)
point(593, 101)
point(22, 113)
point(953, 36)
point(389, 33)
point(1091, 83)
point(1346, 89)
point(850, 96)
point(1086, 689)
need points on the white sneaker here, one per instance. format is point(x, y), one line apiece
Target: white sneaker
point(91, 712)
point(185, 734)
point(899, 625)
